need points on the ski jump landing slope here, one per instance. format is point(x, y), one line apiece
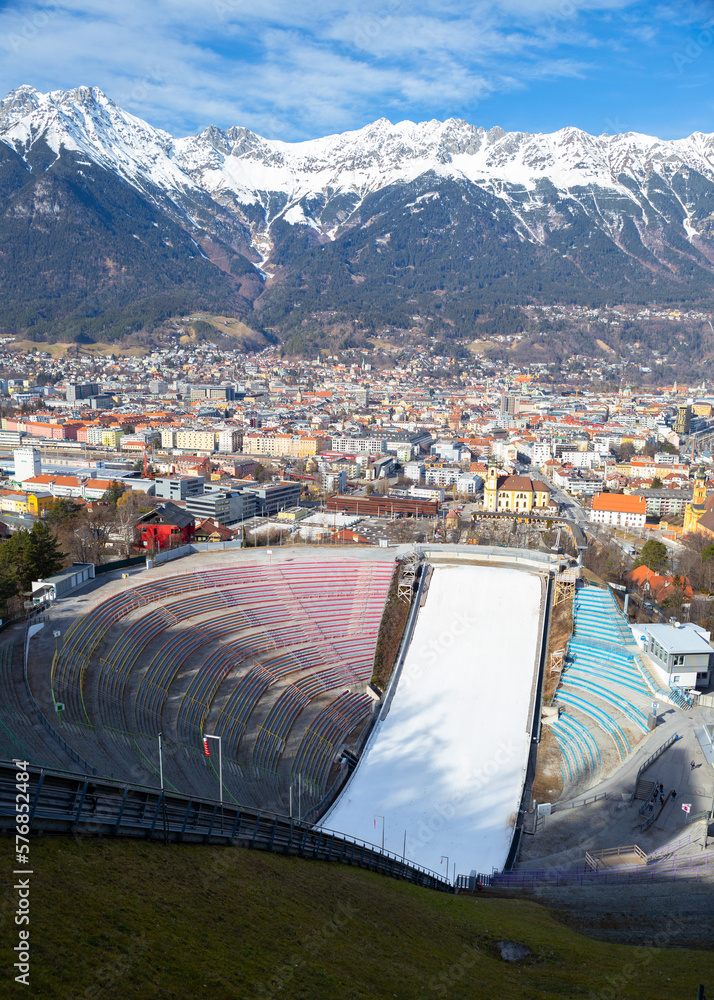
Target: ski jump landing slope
point(447, 759)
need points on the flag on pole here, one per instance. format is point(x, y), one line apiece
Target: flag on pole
point(205, 747)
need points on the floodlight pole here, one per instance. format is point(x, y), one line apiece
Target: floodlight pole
point(161, 765)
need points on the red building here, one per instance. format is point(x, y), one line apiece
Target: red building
point(167, 527)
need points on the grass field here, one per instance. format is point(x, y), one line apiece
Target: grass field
point(228, 325)
point(59, 349)
point(116, 919)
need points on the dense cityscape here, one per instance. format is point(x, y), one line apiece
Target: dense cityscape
point(357, 501)
point(220, 445)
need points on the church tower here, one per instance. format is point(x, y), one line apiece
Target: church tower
point(490, 489)
point(694, 510)
point(700, 490)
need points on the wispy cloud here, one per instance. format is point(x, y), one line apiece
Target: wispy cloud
point(295, 70)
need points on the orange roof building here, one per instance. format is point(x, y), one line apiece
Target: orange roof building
point(660, 586)
point(626, 511)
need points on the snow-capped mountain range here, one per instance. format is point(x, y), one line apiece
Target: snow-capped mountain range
point(507, 216)
point(239, 168)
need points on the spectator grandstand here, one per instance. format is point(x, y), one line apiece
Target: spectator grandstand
point(273, 657)
point(603, 694)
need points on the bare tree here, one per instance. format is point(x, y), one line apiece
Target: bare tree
point(129, 508)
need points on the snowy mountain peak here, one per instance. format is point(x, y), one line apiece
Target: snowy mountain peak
point(19, 102)
point(239, 161)
point(440, 205)
point(321, 182)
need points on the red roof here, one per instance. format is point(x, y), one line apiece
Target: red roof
point(659, 586)
point(523, 483)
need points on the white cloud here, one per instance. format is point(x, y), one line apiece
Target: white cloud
point(292, 69)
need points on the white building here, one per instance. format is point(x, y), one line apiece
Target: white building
point(427, 493)
point(619, 509)
point(438, 476)
point(469, 482)
point(334, 482)
point(28, 463)
point(504, 452)
point(582, 459)
point(414, 471)
point(229, 440)
point(94, 435)
point(359, 445)
point(680, 654)
point(542, 451)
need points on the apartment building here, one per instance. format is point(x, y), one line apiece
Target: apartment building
point(284, 445)
point(195, 440)
point(359, 445)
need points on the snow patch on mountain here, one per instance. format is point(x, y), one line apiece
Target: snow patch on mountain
point(237, 168)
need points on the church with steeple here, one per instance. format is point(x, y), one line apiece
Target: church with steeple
point(695, 511)
point(513, 493)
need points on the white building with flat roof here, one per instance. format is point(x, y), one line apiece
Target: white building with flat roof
point(680, 654)
point(28, 463)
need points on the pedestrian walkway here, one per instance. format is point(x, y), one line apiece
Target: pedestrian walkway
point(611, 820)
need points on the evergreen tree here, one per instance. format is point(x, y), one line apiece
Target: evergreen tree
point(113, 493)
point(654, 554)
point(63, 510)
point(46, 558)
point(26, 557)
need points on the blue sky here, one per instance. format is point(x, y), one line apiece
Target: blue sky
point(296, 70)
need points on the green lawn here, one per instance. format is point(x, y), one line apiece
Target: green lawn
point(116, 919)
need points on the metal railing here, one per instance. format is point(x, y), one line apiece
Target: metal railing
point(66, 804)
point(651, 759)
point(696, 866)
point(577, 803)
point(606, 853)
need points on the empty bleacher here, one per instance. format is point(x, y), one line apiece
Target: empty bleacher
point(257, 654)
point(22, 736)
point(602, 692)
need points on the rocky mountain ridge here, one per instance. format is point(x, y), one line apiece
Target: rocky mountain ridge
point(484, 217)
